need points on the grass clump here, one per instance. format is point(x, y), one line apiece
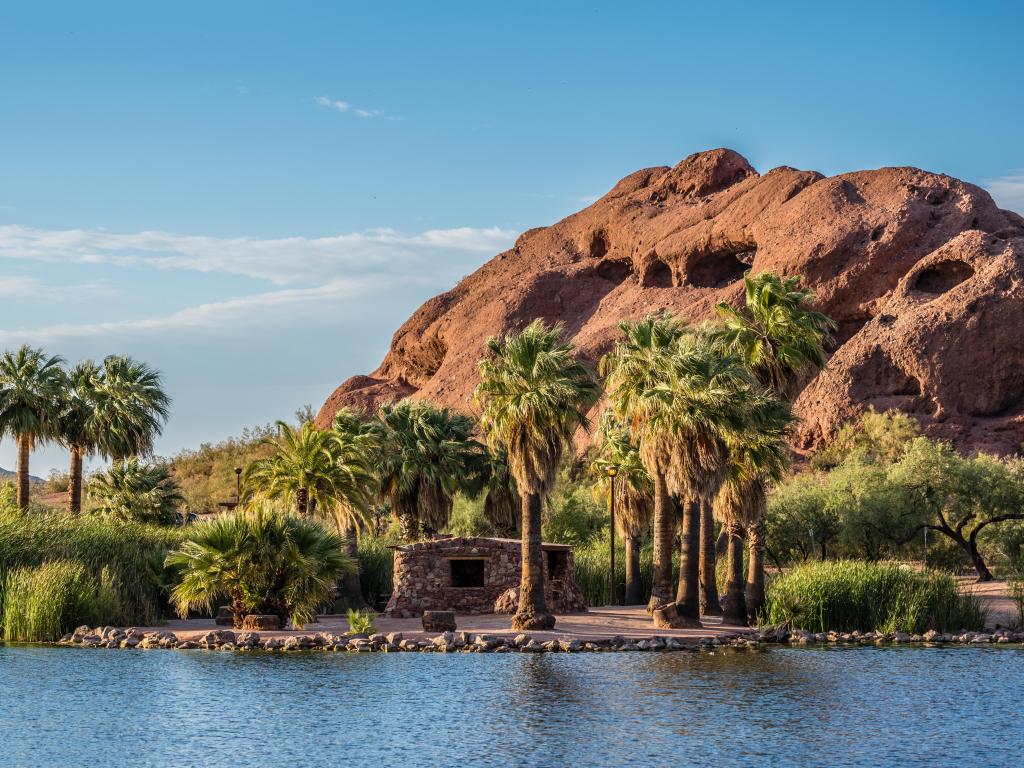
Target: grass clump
point(848, 595)
point(376, 569)
point(361, 622)
point(125, 556)
point(42, 603)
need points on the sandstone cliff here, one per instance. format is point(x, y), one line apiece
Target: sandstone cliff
point(922, 272)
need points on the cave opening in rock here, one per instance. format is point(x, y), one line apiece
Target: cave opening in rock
point(598, 245)
point(658, 274)
point(942, 277)
point(719, 268)
point(614, 270)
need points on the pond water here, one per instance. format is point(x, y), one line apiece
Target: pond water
point(809, 706)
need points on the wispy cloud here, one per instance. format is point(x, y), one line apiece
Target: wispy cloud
point(22, 287)
point(1008, 191)
point(262, 308)
point(289, 260)
point(343, 106)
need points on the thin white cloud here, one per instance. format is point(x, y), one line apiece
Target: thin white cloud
point(265, 308)
point(290, 260)
point(22, 287)
point(343, 106)
point(1007, 191)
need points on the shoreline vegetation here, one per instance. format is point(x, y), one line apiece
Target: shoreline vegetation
point(711, 518)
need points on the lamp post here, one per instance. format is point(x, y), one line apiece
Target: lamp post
point(238, 486)
point(611, 471)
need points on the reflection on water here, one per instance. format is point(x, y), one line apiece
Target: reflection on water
point(789, 706)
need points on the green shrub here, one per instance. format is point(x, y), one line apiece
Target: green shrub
point(263, 561)
point(1017, 594)
point(376, 568)
point(130, 554)
point(590, 564)
point(361, 621)
point(850, 595)
point(43, 602)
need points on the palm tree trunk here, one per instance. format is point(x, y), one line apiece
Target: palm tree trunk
point(353, 584)
point(75, 481)
point(533, 610)
point(688, 599)
point(302, 501)
point(664, 540)
point(24, 448)
point(709, 604)
point(735, 613)
point(408, 524)
point(634, 593)
point(755, 570)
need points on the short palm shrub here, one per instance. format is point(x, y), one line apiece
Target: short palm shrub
point(848, 595)
point(134, 490)
point(41, 603)
point(361, 621)
point(125, 556)
point(263, 562)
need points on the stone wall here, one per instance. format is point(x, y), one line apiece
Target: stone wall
point(423, 577)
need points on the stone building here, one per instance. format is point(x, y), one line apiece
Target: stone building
point(471, 575)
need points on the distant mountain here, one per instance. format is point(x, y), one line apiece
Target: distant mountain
point(6, 474)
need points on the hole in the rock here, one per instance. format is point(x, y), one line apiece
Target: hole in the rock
point(598, 245)
point(615, 271)
point(941, 277)
point(850, 327)
point(877, 232)
point(657, 275)
point(715, 270)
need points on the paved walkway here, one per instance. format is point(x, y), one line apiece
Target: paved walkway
point(604, 622)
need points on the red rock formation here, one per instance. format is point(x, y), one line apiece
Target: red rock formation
point(921, 271)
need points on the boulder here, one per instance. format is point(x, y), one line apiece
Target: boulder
point(438, 621)
point(261, 622)
point(923, 273)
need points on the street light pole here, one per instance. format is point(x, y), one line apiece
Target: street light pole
point(238, 486)
point(612, 471)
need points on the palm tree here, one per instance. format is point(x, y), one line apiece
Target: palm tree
point(314, 470)
point(780, 340)
point(264, 562)
point(355, 449)
point(535, 394)
point(757, 456)
point(133, 490)
point(130, 408)
point(634, 497)
point(76, 425)
point(502, 503)
point(426, 456)
point(30, 386)
point(637, 365)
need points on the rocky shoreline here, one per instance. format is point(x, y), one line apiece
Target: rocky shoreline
point(463, 642)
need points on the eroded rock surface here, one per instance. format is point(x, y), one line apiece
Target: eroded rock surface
point(923, 273)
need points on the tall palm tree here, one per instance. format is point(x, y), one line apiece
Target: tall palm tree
point(637, 365)
point(634, 496)
point(77, 426)
point(700, 407)
point(535, 394)
point(354, 448)
point(30, 387)
point(131, 407)
point(781, 340)
point(313, 469)
point(757, 456)
point(133, 490)
point(426, 456)
point(502, 503)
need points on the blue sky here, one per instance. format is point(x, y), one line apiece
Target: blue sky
point(253, 196)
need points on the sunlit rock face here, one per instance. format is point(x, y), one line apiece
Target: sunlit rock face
point(922, 272)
